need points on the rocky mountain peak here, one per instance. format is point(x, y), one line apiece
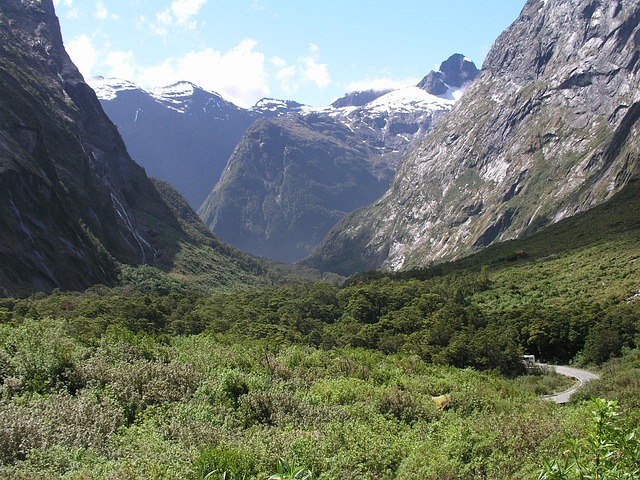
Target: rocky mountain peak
point(359, 98)
point(35, 23)
point(458, 70)
point(454, 72)
point(72, 202)
point(548, 129)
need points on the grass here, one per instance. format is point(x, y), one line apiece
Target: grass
point(544, 383)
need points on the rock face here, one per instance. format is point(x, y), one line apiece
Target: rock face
point(455, 72)
point(297, 173)
point(72, 202)
point(181, 133)
point(359, 99)
point(288, 182)
point(548, 129)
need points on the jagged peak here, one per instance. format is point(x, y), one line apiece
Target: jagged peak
point(359, 98)
point(455, 72)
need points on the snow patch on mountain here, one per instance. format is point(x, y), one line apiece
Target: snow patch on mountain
point(176, 96)
point(410, 99)
point(108, 88)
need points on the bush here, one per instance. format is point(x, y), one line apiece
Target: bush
point(84, 421)
point(223, 462)
point(608, 451)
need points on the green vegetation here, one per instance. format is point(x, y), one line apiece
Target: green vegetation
point(201, 406)
point(607, 450)
point(413, 375)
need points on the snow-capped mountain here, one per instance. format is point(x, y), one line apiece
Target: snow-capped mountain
point(550, 128)
point(181, 133)
point(108, 88)
point(297, 172)
point(185, 135)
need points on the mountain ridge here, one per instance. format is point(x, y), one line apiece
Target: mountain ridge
point(179, 133)
point(73, 205)
point(546, 131)
point(294, 175)
point(185, 134)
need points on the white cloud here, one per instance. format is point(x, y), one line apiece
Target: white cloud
point(121, 64)
point(317, 73)
point(73, 13)
point(184, 10)
point(286, 78)
point(101, 13)
point(306, 71)
point(179, 14)
point(278, 62)
point(83, 53)
point(238, 75)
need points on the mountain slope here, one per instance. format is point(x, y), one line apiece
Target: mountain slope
point(73, 205)
point(299, 171)
point(548, 129)
point(181, 133)
point(288, 181)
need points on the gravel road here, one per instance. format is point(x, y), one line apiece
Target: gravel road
point(581, 377)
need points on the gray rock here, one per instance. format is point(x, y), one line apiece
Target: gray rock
point(548, 129)
point(454, 72)
point(291, 178)
point(73, 205)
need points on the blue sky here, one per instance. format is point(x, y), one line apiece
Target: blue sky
point(305, 50)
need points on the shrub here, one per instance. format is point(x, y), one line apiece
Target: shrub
point(223, 462)
point(84, 421)
point(608, 451)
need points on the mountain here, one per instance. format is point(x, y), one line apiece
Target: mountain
point(181, 133)
point(548, 129)
point(289, 180)
point(300, 169)
point(73, 205)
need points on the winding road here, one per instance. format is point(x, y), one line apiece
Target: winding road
point(581, 377)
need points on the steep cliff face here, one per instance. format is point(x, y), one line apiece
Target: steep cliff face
point(288, 182)
point(72, 202)
point(297, 173)
point(548, 129)
point(181, 133)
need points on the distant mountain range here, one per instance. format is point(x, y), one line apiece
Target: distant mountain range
point(346, 153)
point(293, 176)
point(181, 133)
point(549, 128)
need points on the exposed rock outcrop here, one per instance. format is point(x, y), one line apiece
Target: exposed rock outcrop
point(288, 182)
point(292, 177)
point(548, 129)
point(454, 72)
point(73, 204)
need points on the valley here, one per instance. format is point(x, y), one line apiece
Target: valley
point(356, 291)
